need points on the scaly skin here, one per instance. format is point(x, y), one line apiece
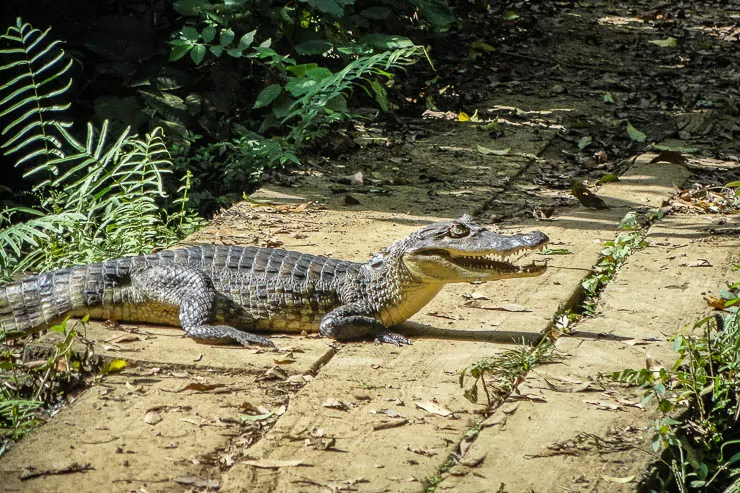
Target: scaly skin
point(218, 293)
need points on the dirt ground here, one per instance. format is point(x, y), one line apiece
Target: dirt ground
point(561, 82)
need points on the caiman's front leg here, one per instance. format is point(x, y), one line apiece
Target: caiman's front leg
point(351, 321)
point(193, 292)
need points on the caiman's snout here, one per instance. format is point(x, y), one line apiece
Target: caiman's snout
point(512, 244)
point(463, 250)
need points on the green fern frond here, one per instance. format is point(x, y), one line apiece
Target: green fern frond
point(31, 103)
point(311, 107)
point(100, 197)
point(17, 238)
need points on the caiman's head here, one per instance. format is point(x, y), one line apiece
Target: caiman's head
point(462, 250)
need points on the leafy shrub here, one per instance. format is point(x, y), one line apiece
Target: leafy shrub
point(698, 400)
point(94, 200)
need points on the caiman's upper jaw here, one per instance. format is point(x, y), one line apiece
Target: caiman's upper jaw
point(487, 264)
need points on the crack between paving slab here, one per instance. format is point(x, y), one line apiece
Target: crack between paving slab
point(487, 204)
point(576, 299)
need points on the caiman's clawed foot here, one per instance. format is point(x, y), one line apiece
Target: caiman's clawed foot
point(391, 338)
point(223, 334)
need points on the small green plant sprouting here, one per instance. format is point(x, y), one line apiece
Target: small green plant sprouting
point(433, 481)
point(499, 375)
point(26, 389)
point(612, 257)
point(698, 398)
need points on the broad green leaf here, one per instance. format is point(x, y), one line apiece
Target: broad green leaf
point(246, 40)
point(735, 458)
point(197, 53)
point(608, 178)
point(300, 70)
point(510, 15)
point(386, 41)
point(190, 8)
point(377, 13)
point(227, 37)
point(635, 134)
point(437, 12)
point(584, 141)
point(496, 152)
point(300, 86)
point(267, 96)
point(318, 74)
point(217, 50)
point(208, 34)
point(190, 33)
point(608, 98)
point(669, 42)
point(331, 7)
point(313, 47)
point(338, 103)
point(180, 51)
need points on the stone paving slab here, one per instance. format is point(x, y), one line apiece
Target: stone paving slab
point(371, 379)
point(344, 447)
point(653, 297)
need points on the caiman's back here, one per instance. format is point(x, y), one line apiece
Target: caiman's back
point(264, 289)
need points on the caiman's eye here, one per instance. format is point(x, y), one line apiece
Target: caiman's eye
point(458, 231)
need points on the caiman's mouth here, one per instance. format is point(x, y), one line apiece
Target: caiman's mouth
point(506, 263)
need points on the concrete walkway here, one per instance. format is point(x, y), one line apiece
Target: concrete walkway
point(317, 416)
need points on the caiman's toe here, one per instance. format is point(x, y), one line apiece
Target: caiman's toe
point(259, 341)
point(391, 338)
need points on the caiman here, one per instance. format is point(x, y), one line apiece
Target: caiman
point(219, 293)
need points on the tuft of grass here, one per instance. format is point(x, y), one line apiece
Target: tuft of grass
point(498, 376)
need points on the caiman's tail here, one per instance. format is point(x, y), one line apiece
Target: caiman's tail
point(40, 301)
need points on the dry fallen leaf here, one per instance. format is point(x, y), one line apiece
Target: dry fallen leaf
point(333, 403)
point(629, 403)
point(384, 425)
point(285, 360)
point(674, 157)
point(569, 389)
point(509, 307)
point(604, 406)
point(433, 408)
point(440, 315)
point(635, 342)
point(274, 464)
point(123, 338)
point(201, 387)
point(702, 262)
point(716, 303)
point(350, 200)
point(476, 296)
point(626, 479)
point(652, 364)
point(152, 418)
